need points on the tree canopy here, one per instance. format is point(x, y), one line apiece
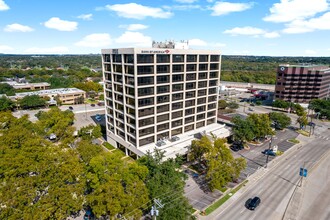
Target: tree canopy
point(166, 183)
point(221, 166)
point(31, 101)
point(280, 119)
point(6, 104)
point(255, 126)
point(7, 89)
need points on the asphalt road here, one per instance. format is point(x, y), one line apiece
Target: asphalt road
point(276, 186)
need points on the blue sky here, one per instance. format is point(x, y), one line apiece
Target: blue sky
point(264, 27)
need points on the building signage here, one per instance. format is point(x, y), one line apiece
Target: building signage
point(155, 51)
point(282, 68)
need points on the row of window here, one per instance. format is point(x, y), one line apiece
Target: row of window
point(149, 80)
point(175, 131)
point(176, 115)
point(176, 88)
point(160, 58)
point(177, 106)
point(175, 97)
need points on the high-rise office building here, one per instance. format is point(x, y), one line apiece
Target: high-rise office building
point(302, 83)
point(160, 97)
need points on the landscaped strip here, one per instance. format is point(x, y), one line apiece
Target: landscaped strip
point(223, 199)
point(295, 141)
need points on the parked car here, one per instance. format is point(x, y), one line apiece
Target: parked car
point(70, 108)
point(269, 152)
point(98, 118)
point(252, 204)
point(236, 147)
point(93, 105)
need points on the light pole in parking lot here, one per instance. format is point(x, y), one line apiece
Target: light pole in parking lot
point(270, 146)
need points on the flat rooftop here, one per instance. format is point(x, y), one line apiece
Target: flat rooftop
point(182, 145)
point(16, 84)
point(51, 92)
point(307, 65)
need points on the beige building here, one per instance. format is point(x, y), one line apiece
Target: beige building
point(28, 86)
point(68, 96)
point(160, 97)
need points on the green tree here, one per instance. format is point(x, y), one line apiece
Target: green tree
point(87, 150)
point(6, 104)
point(302, 120)
point(116, 187)
point(222, 167)
point(166, 183)
point(280, 119)
point(7, 89)
point(281, 104)
point(31, 101)
point(57, 122)
point(233, 105)
point(222, 104)
point(90, 132)
point(242, 129)
point(261, 125)
point(39, 180)
point(300, 111)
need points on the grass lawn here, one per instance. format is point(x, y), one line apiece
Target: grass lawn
point(306, 133)
point(222, 200)
point(108, 146)
point(295, 141)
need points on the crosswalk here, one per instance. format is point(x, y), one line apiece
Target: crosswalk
point(323, 137)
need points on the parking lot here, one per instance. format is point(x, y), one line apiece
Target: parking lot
point(86, 118)
point(255, 159)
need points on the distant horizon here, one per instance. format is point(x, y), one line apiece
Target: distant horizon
point(277, 28)
point(83, 54)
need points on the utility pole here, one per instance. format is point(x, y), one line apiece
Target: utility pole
point(154, 211)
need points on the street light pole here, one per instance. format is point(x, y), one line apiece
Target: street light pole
point(270, 146)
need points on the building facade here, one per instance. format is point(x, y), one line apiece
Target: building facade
point(68, 96)
point(159, 94)
point(302, 83)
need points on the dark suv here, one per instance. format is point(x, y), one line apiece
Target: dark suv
point(253, 203)
point(236, 147)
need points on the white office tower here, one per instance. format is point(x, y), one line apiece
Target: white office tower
point(160, 97)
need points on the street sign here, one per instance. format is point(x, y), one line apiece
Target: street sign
point(303, 172)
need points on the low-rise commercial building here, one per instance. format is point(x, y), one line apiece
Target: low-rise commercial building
point(302, 83)
point(67, 96)
point(28, 86)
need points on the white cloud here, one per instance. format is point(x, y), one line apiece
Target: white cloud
point(290, 10)
point(310, 52)
point(134, 27)
point(3, 6)
point(130, 38)
point(17, 28)
point(273, 34)
point(133, 10)
point(86, 17)
point(186, 1)
point(182, 7)
point(197, 42)
point(245, 31)
point(303, 26)
point(49, 50)
point(61, 25)
point(5, 48)
point(95, 40)
point(251, 31)
point(224, 8)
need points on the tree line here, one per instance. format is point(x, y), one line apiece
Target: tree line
point(43, 179)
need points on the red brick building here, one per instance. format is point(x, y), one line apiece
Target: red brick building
point(302, 83)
